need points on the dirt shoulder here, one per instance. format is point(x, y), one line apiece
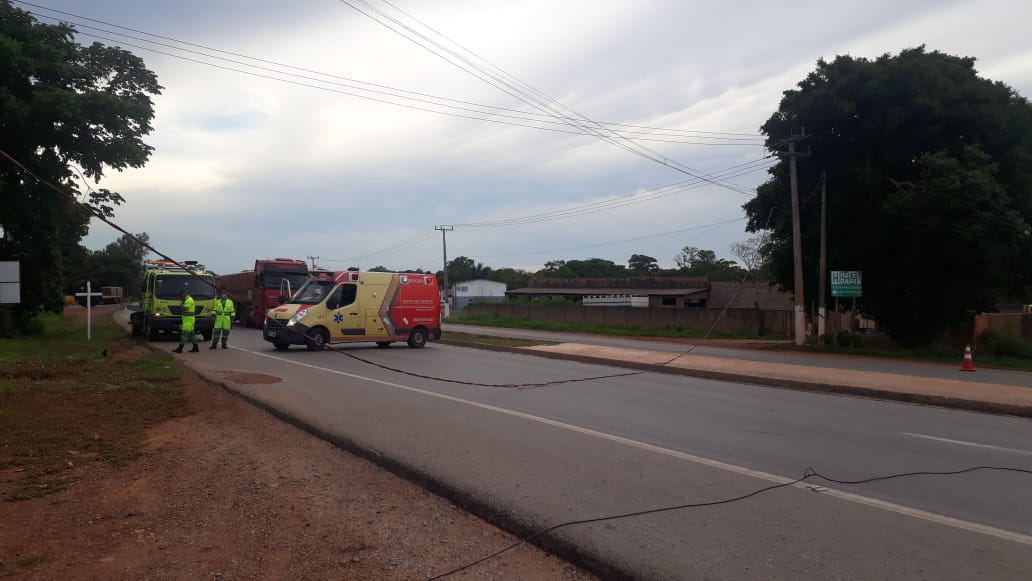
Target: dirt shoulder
point(226, 491)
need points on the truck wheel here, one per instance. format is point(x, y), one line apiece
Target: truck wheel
point(280, 345)
point(317, 339)
point(383, 344)
point(151, 332)
point(417, 339)
point(137, 327)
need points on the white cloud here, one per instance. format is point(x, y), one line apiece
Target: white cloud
point(247, 167)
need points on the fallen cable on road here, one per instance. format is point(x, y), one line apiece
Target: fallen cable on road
point(501, 385)
point(463, 382)
point(808, 474)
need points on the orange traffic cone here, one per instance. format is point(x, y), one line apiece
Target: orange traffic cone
point(969, 362)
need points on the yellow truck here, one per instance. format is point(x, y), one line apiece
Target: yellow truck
point(161, 308)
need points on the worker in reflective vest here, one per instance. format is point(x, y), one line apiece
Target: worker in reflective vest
point(224, 313)
point(186, 326)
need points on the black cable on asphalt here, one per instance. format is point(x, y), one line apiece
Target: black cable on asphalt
point(808, 474)
point(464, 382)
point(475, 383)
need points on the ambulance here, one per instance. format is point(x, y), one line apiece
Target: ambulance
point(351, 306)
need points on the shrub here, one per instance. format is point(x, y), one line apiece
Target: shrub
point(847, 338)
point(1005, 343)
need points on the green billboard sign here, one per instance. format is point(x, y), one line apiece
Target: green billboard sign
point(846, 283)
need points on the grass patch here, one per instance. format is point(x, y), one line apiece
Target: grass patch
point(63, 338)
point(64, 404)
point(32, 560)
point(676, 332)
point(489, 340)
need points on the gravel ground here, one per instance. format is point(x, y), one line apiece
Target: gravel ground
point(229, 492)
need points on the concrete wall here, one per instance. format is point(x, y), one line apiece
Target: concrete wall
point(1019, 323)
point(741, 321)
point(464, 302)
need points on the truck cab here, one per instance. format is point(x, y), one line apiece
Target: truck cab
point(161, 308)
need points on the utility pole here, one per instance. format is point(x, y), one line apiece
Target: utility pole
point(822, 312)
point(797, 242)
point(313, 259)
point(444, 279)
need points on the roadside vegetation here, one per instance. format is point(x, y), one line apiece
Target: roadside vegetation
point(1001, 349)
point(467, 318)
point(490, 340)
point(66, 402)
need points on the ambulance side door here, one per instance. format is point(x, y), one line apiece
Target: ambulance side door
point(347, 320)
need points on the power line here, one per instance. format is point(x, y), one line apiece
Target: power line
point(550, 216)
point(624, 200)
point(734, 138)
point(99, 214)
point(557, 215)
point(389, 102)
point(534, 98)
point(661, 234)
point(386, 251)
point(808, 474)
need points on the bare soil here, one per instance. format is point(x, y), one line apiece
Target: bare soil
point(225, 491)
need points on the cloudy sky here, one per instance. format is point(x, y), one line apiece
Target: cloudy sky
point(359, 140)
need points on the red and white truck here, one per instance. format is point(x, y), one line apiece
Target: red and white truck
point(256, 291)
point(350, 306)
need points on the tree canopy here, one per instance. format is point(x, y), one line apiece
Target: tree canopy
point(929, 180)
point(592, 267)
point(695, 261)
point(642, 264)
point(120, 263)
point(65, 109)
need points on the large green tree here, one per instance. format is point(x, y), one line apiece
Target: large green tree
point(64, 108)
point(121, 263)
point(461, 268)
point(929, 180)
point(642, 264)
point(694, 261)
point(590, 268)
point(512, 277)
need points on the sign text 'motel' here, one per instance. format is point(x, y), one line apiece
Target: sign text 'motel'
point(846, 283)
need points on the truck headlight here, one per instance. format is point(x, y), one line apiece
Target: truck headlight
point(297, 318)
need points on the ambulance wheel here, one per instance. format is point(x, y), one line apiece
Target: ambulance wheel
point(280, 345)
point(317, 340)
point(418, 338)
point(383, 344)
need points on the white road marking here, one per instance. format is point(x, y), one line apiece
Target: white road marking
point(872, 502)
point(972, 444)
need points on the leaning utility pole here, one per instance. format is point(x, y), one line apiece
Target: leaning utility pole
point(797, 242)
point(822, 312)
point(444, 276)
point(313, 259)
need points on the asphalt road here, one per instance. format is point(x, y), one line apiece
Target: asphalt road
point(536, 457)
point(856, 363)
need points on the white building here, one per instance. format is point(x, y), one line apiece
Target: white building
point(478, 291)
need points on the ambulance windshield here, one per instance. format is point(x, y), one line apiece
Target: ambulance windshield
point(313, 292)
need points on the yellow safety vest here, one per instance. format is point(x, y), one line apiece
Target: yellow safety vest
point(224, 312)
point(189, 314)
